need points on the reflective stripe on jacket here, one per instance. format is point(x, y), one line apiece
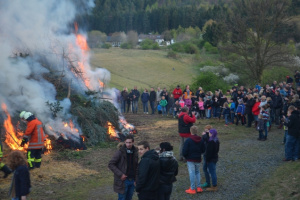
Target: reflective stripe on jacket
point(35, 134)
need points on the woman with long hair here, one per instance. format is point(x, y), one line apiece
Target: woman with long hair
point(20, 186)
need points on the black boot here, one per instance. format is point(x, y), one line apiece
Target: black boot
point(6, 171)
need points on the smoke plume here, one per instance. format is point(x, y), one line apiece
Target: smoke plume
point(37, 37)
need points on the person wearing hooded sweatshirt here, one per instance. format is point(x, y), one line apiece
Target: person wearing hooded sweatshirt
point(293, 136)
point(168, 171)
point(192, 149)
point(212, 150)
point(184, 124)
point(147, 184)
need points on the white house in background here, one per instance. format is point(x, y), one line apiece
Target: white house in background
point(156, 38)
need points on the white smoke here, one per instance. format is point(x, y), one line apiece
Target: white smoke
point(42, 30)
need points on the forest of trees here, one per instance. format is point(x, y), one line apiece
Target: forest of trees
point(144, 16)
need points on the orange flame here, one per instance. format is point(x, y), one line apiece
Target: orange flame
point(111, 130)
point(48, 146)
point(12, 138)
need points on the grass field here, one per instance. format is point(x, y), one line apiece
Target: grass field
point(145, 69)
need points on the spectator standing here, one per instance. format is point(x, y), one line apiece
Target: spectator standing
point(129, 101)
point(148, 172)
point(205, 139)
point(208, 106)
point(135, 99)
point(185, 122)
point(152, 100)
point(177, 92)
point(260, 127)
point(192, 150)
point(201, 108)
point(165, 94)
point(240, 112)
point(248, 109)
point(145, 98)
point(212, 157)
point(158, 97)
point(293, 136)
point(168, 171)
point(124, 165)
point(170, 106)
point(232, 110)
point(226, 113)
point(187, 96)
point(177, 109)
point(277, 106)
point(163, 103)
point(20, 186)
point(125, 96)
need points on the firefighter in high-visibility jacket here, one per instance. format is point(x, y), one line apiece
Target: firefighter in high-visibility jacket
point(35, 135)
point(3, 167)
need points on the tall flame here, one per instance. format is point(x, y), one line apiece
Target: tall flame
point(111, 130)
point(12, 138)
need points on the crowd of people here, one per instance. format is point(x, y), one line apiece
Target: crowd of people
point(153, 177)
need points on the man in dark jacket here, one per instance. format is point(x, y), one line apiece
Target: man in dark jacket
point(168, 171)
point(184, 124)
point(135, 99)
point(125, 96)
point(248, 109)
point(148, 173)
point(152, 100)
point(124, 165)
point(293, 136)
point(192, 149)
point(277, 106)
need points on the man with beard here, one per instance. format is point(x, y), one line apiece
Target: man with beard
point(124, 164)
point(148, 173)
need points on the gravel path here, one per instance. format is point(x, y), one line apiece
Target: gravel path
point(242, 165)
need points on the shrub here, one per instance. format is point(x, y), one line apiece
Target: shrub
point(106, 46)
point(155, 46)
point(178, 47)
point(209, 82)
point(210, 49)
point(126, 46)
point(172, 54)
point(275, 74)
point(147, 44)
point(191, 48)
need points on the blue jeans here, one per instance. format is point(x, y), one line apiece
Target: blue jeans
point(205, 170)
point(226, 118)
point(171, 110)
point(217, 111)
point(129, 189)
point(232, 117)
point(16, 198)
point(123, 106)
point(145, 106)
point(152, 105)
point(164, 110)
point(266, 130)
point(291, 147)
point(208, 116)
point(134, 106)
point(212, 171)
point(194, 172)
point(284, 137)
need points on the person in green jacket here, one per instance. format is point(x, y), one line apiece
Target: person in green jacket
point(163, 103)
point(3, 167)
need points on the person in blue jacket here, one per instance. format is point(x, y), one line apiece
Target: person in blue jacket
point(240, 112)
